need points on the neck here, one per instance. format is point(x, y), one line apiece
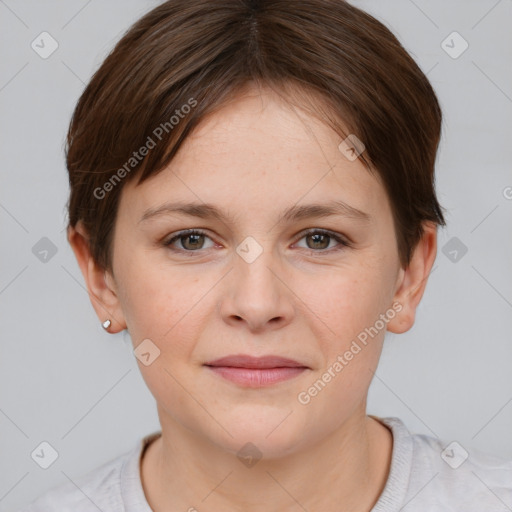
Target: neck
point(345, 471)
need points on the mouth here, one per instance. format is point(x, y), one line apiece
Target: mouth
point(249, 371)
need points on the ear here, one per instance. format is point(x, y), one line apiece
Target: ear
point(411, 282)
point(100, 283)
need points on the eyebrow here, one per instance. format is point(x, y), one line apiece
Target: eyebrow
point(294, 213)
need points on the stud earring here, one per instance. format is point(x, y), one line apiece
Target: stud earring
point(106, 324)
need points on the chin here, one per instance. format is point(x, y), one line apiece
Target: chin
point(270, 433)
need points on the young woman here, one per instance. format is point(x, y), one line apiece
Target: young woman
point(252, 198)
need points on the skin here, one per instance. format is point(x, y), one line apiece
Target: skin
point(299, 299)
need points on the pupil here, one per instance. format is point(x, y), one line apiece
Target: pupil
point(195, 237)
point(319, 235)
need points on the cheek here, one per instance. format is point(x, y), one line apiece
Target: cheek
point(162, 302)
point(342, 302)
point(348, 305)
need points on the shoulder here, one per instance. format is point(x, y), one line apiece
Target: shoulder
point(445, 475)
point(471, 478)
point(99, 489)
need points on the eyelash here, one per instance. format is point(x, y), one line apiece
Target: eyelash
point(343, 243)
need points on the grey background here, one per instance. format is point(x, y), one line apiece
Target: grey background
point(65, 381)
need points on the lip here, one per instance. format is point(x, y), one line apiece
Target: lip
point(246, 361)
point(254, 372)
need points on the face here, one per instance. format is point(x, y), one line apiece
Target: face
point(254, 281)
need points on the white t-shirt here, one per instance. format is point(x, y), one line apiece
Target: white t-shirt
point(426, 475)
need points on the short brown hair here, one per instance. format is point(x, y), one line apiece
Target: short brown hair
point(201, 53)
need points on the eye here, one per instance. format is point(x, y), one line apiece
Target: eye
point(320, 240)
point(190, 240)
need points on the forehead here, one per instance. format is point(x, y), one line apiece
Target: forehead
point(260, 154)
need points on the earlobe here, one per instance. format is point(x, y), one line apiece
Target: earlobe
point(412, 281)
point(102, 295)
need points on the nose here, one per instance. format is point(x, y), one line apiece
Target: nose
point(258, 294)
